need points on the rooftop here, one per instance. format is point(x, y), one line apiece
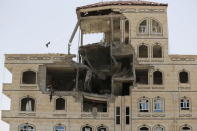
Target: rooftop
point(122, 3)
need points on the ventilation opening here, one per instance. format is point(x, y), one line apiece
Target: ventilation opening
point(142, 76)
point(29, 77)
point(94, 105)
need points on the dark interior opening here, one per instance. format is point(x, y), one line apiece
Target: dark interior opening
point(183, 77)
point(92, 105)
point(143, 51)
point(126, 89)
point(29, 77)
point(60, 104)
point(97, 56)
point(157, 51)
point(60, 79)
point(157, 78)
point(98, 12)
point(27, 104)
point(142, 76)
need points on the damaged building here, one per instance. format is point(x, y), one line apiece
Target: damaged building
point(125, 82)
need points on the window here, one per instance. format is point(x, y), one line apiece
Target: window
point(26, 127)
point(157, 78)
point(126, 31)
point(87, 128)
point(144, 129)
point(185, 104)
point(158, 105)
point(60, 104)
point(143, 27)
point(102, 128)
point(143, 51)
point(29, 77)
point(186, 128)
point(159, 128)
point(183, 77)
point(157, 51)
point(156, 27)
point(59, 128)
point(144, 105)
point(27, 104)
point(127, 115)
point(142, 76)
point(117, 115)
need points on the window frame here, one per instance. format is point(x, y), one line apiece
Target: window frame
point(147, 26)
point(162, 51)
point(188, 76)
point(162, 77)
point(55, 102)
point(147, 106)
point(151, 27)
point(154, 128)
point(59, 125)
point(186, 125)
point(148, 51)
point(185, 103)
point(36, 73)
point(87, 125)
point(20, 103)
point(162, 106)
point(19, 126)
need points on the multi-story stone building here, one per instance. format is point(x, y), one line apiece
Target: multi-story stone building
point(126, 82)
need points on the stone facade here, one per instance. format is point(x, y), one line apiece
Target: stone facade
point(163, 102)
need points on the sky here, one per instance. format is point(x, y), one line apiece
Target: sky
point(27, 25)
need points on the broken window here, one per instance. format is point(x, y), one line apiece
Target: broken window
point(144, 129)
point(142, 76)
point(27, 104)
point(156, 27)
point(94, 105)
point(185, 128)
point(87, 128)
point(157, 78)
point(143, 51)
point(144, 105)
point(185, 104)
point(127, 115)
point(60, 78)
point(26, 127)
point(117, 115)
point(59, 128)
point(157, 51)
point(183, 77)
point(102, 128)
point(126, 89)
point(29, 77)
point(143, 27)
point(60, 104)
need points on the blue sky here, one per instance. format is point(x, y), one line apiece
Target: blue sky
point(26, 25)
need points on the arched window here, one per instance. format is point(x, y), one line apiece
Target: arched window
point(158, 105)
point(144, 105)
point(186, 128)
point(184, 103)
point(157, 51)
point(26, 127)
point(60, 104)
point(59, 128)
point(144, 129)
point(29, 77)
point(156, 27)
point(102, 128)
point(159, 128)
point(183, 77)
point(143, 27)
point(157, 78)
point(143, 51)
point(87, 128)
point(27, 104)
